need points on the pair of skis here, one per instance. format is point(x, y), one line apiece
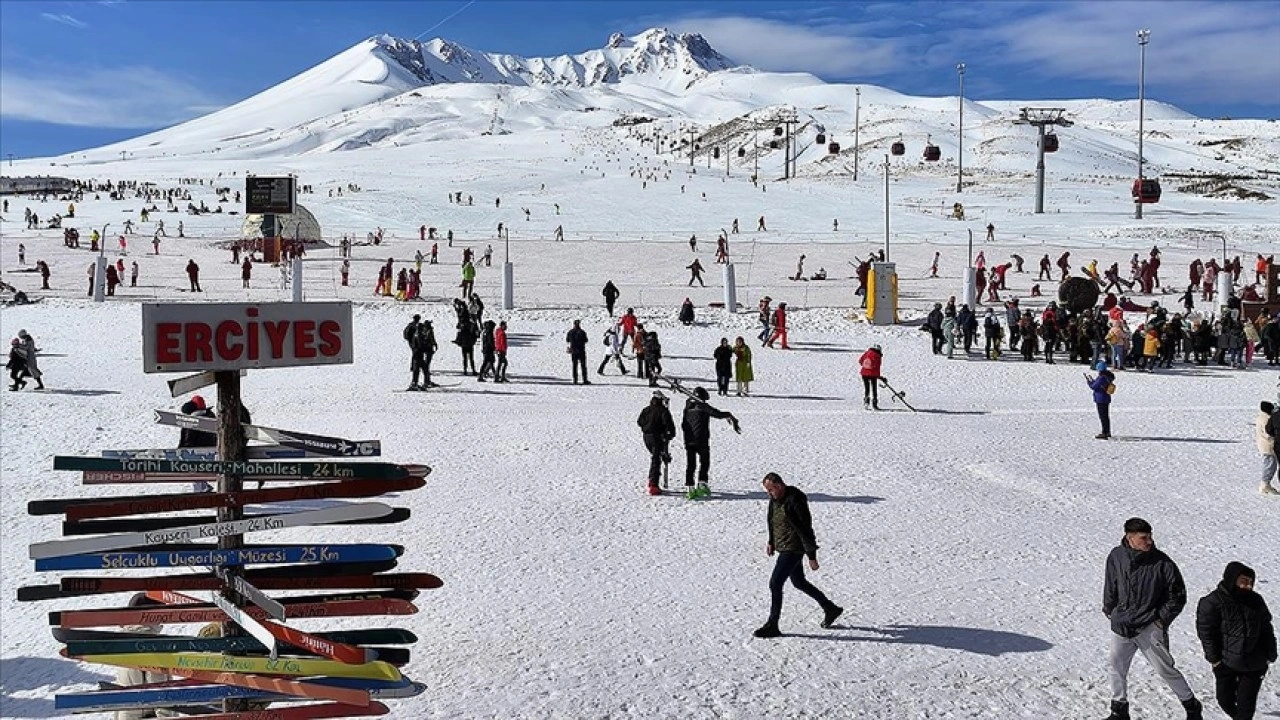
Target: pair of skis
point(897, 395)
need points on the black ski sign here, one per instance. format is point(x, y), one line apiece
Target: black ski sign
point(318, 444)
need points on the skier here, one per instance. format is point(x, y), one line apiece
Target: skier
point(791, 537)
point(1239, 639)
point(1143, 593)
point(193, 275)
point(991, 233)
point(610, 294)
point(658, 429)
point(696, 273)
point(486, 351)
point(500, 347)
point(869, 370)
point(613, 351)
point(1103, 387)
point(576, 340)
point(422, 346)
point(696, 428)
point(17, 365)
point(723, 355)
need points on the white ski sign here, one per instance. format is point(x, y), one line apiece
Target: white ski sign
point(244, 620)
point(327, 516)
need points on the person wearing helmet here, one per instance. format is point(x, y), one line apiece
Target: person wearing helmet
point(17, 364)
point(658, 429)
point(869, 369)
point(696, 426)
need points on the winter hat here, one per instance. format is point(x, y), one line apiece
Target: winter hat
point(198, 401)
point(416, 318)
point(22, 333)
point(1235, 570)
point(876, 348)
point(701, 393)
point(659, 395)
point(1100, 366)
point(1137, 525)
point(1267, 407)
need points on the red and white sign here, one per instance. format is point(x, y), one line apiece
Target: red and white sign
point(230, 336)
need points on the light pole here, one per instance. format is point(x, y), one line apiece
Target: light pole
point(857, 107)
point(960, 170)
point(1144, 37)
point(886, 208)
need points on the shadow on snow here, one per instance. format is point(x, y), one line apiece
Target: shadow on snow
point(979, 641)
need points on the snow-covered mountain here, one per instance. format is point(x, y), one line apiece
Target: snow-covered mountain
point(387, 92)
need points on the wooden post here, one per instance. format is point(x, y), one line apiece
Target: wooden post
point(231, 446)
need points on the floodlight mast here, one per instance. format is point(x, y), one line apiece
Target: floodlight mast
point(1041, 118)
point(960, 68)
point(1144, 37)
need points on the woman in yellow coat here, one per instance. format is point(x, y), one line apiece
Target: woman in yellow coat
point(742, 371)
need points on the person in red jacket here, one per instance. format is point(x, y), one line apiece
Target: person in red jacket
point(500, 347)
point(628, 326)
point(779, 327)
point(869, 369)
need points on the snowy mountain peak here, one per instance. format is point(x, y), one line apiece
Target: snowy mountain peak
point(657, 56)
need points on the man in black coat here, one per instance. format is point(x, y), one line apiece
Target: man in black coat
point(610, 294)
point(658, 428)
point(696, 427)
point(577, 341)
point(1239, 640)
point(1142, 595)
point(791, 537)
point(422, 343)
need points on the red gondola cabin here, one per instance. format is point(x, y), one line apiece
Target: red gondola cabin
point(1051, 143)
point(1146, 190)
point(833, 148)
point(932, 153)
point(899, 148)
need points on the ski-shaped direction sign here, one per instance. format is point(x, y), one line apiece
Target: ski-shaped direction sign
point(272, 608)
point(146, 560)
point(246, 621)
point(319, 444)
point(247, 468)
point(358, 511)
point(214, 662)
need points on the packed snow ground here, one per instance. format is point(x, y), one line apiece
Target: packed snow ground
point(966, 541)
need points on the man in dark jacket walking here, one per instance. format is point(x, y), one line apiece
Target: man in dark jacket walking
point(610, 294)
point(791, 537)
point(1142, 595)
point(577, 341)
point(658, 428)
point(422, 343)
point(1239, 640)
point(696, 427)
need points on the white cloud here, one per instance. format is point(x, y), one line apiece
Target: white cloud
point(1217, 51)
point(64, 19)
point(126, 97)
point(828, 50)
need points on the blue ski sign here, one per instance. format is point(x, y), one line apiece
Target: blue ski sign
point(145, 560)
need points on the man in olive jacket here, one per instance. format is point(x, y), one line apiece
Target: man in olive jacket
point(1142, 595)
point(791, 537)
point(1239, 640)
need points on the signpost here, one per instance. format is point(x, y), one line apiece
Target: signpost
point(218, 342)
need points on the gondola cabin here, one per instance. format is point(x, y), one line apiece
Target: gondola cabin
point(773, 144)
point(742, 152)
point(1051, 143)
point(833, 148)
point(777, 132)
point(1146, 190)
point(899, 148)
point(932, 153)
point(821, 139)
point(715, 153)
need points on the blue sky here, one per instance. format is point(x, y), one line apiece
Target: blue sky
point(81, 74)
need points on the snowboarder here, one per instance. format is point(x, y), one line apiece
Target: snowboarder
point(610, 294)
point(791, 537)
point(696, 427)
point(193, 275)
point(576, 341)
point(695, 270)
point(1239, 639)
point(613, 351)
point(1143, 593)
point(869, 370)
point(658, 429)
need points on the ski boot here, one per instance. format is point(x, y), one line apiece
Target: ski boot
point(415, 387)
point(654, 489)
point(690, 492)
point(1119, 711)
point(770, 630)
point(1195, 710)
point(701, 491)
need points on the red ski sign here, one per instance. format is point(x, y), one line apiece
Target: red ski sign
point(231, 336)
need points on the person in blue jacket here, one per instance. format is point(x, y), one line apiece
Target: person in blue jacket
point(1103, 386)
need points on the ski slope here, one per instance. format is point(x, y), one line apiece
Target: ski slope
point(966, 541)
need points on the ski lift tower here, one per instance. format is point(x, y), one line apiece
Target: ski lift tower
point(1041, 118)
